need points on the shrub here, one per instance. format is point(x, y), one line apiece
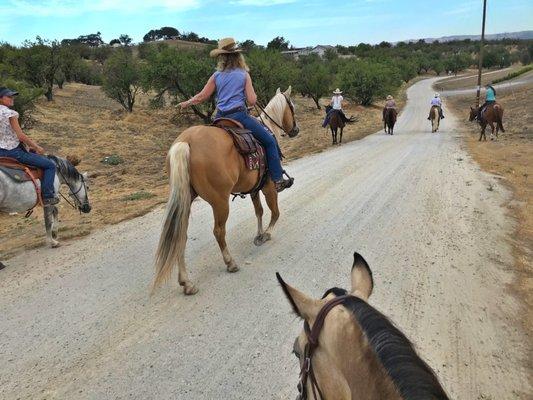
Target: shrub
point(122, 78)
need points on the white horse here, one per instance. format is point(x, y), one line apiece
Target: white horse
point(18, 197)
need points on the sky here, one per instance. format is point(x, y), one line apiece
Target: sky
point(302, 22)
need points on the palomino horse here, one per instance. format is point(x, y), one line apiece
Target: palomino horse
point(434, 116)
point(492, 115)
point(349, 350)
point(336, 122)
point(389, 120)
point(21, 196)
point(203, 161)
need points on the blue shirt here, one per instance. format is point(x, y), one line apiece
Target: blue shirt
point(230, 86)
point(490, 96)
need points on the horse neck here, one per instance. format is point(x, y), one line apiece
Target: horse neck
point(275, 109)
point(356, 366)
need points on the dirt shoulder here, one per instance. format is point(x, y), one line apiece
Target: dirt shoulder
point(82, 121)
point(510, 157)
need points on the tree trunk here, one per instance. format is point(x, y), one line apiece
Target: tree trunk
point(315, 99)
point(49, 94)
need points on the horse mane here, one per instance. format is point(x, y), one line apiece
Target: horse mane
point(275, 108)
point(412, 376)
point(68, 170)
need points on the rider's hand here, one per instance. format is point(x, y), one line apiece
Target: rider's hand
point(39, 150)
point(184, 104)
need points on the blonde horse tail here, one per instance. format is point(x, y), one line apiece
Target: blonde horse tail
point(174, 234)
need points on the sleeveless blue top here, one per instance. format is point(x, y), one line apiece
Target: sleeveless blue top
point(490, 96)
point(230, 89)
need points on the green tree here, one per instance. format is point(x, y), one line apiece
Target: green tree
point(125, 40)
point(269, 70)
point(314, 79)
point(180, 74)
point(122, 78)
point(407, 69)
point(279, 43)
point(365, 81)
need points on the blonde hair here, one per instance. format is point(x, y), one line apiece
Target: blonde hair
point(231, 61)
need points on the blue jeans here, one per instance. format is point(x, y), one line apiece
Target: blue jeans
point(35, 160)
point(265, 137)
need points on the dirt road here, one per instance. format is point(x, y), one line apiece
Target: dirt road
point(77, 322)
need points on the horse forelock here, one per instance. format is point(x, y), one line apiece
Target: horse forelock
point(413, 378)
point(66, 169)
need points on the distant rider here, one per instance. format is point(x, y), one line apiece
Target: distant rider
point(13, 141)
point(490, 98)
point(336, 106)
point(436, 101)
point(234, 90)
point(390, 103)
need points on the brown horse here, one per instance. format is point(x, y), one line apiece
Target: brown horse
point(493, 116)
point(389, 119)
point(348, 350)
point(434, 116)
point(203, 161)
point(336, 122)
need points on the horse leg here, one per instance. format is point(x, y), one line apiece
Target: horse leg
point(271, 197)
point(491, 131)
point(333, 136)
point(50, 216)
point(259, 214)
point(340, 141)
point(221, 213)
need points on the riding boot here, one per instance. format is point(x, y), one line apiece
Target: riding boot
point(283, 184)
point(51, 201)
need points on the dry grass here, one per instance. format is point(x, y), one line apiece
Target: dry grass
point(82, 121)
point(470, 78)
point(511, 157)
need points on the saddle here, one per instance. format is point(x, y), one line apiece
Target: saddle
point(248, 147)
point(22, 173)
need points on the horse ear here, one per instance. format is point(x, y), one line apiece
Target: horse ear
point(303, 305)
point(85, 175)
point(288, 91)
point(362, 281)
point(278, 91)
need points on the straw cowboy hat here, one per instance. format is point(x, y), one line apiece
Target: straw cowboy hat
point(337, 91)
point(389, 97)
point(225, 46)
point(437, 95)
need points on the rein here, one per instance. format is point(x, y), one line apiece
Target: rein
point(72, 193)
point(307, 371)
point(262, 110)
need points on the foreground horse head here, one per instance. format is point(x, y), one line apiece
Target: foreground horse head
point(473, 113)
point(349, 350)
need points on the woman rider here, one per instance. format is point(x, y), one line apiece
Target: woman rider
point(490, 98)
point(12, 141)
point(390, 103)
point(234, 89)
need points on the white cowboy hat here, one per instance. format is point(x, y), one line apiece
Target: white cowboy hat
point(337, 91)
point(437, 95)
point(389, 97)
point(225, 46)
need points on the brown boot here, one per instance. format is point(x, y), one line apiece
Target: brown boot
point(52, 201)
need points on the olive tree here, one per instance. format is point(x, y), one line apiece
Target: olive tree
point(122, 78)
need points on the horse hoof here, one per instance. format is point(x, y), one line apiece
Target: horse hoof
point(2, 266)
point(190, 290)
point(258, 241)
point(55, 245)
point(233, 268)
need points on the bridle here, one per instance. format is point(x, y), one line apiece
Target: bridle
point(307, 372)
point(291, 107)
point(73, 193)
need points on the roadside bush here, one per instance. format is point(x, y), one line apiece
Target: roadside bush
point(122, 78)
point(315, 79)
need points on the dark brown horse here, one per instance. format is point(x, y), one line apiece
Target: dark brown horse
point(493, 116)
point(389, 119)
point(336, 122)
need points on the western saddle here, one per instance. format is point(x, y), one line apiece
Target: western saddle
point(22, 173)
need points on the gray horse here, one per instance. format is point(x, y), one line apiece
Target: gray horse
point(18, 197)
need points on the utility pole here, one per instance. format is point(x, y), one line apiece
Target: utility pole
point(480, 65)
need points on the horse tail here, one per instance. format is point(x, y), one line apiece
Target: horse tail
point(499, 117)
point(176, 221)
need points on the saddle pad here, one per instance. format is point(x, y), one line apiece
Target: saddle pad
point(18, 175)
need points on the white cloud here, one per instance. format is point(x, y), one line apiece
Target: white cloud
point(77, 7)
